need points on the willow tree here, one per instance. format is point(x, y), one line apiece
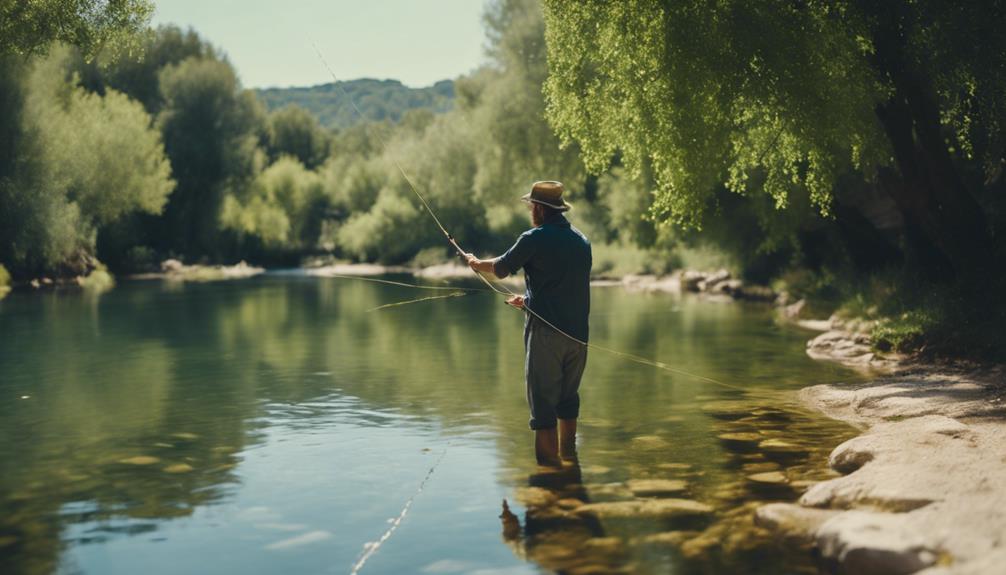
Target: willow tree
point(783, 98)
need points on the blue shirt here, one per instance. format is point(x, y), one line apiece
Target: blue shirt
point(556, 260)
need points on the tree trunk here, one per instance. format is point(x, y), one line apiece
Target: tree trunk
point(931, 194)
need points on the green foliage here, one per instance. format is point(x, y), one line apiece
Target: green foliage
point(4, 277)
point(391, 231)
point(139, 77)
point(279, 209)
point(211, 132)
point(78, 161)
point(30, 27)
point(295, 132)
point(713, 94)
point(378, 100)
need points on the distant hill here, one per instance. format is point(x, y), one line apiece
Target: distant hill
point(377, 99)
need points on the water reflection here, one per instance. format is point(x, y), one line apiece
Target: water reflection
point(157, 418)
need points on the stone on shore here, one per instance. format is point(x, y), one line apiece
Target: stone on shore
point(926, 483)
point(791, 521)
point(867, 543)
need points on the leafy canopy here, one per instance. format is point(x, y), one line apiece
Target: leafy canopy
point(29, 27)
point(708, 94)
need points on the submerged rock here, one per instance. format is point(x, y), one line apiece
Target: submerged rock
point(741, 440)
point(645, 508)
point(178, 468)
point(650, 442)
point(728, 409)
point(141, 460)
point(675, 466)
point(768, 478)
point(656, 487)
point(674, 538)
point(535, 496)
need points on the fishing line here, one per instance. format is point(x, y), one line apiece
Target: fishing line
point(371, 547)
point(402, 284)
point(417, 300)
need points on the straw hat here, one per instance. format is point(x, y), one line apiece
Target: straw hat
point(547, 193)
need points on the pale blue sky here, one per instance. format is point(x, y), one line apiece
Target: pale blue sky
point(269, 41)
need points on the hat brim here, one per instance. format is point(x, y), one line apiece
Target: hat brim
point(526, 198)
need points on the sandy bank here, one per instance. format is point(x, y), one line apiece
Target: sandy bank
point(924, 487)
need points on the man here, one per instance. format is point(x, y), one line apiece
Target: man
point(556, 260)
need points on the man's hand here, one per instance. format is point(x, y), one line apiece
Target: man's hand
point(472, 261)
point(517, 301)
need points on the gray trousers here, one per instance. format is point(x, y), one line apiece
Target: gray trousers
point(553, 366)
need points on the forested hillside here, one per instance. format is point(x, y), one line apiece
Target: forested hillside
point(378, 100)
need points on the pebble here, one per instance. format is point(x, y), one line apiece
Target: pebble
point(768, 478)
point(141, 460)
point(178, 468)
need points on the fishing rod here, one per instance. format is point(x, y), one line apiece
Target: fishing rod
point(506, 291)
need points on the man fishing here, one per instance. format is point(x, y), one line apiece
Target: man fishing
point(556, 260)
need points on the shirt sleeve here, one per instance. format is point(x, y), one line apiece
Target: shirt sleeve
point(515, 257)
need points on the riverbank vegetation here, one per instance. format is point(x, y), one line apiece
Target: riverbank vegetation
point(847, 153)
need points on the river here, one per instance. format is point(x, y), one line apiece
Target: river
point(279, 425)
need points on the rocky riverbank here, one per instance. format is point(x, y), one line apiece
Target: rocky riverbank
point(174, 270)
point(923, 488)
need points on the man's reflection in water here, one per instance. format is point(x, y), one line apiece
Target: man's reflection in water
point(554, 535)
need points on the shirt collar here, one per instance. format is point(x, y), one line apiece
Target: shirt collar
point(556, 219)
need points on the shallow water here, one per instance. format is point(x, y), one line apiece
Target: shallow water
point(275, 425)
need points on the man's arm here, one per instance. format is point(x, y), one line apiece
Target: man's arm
point(487, 266)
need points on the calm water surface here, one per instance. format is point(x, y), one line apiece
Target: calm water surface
point(276, 425)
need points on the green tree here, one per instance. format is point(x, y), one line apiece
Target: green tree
point(77, 162)
point(211, 129)
point(282, 209)
point(784, 99)
point(30, 27)
point(295, 132)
